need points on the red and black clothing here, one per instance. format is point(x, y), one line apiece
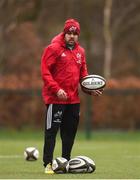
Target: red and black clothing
point(61, 68)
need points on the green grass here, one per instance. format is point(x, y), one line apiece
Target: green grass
point(116, 155)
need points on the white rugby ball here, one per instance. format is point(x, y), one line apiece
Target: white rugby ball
point(31, 154)
point(90, 163)
point(93, 82)
point(77, 165)
point(59, 165)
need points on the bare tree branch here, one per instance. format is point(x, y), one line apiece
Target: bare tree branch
point(121, 17)
point(108, 38)
point(132, 22)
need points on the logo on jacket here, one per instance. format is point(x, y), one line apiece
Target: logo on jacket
point(78, 55)
point(63, 55)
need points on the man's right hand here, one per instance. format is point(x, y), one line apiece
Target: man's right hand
point(62, 95)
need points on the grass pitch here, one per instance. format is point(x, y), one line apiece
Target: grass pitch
point(116, 155)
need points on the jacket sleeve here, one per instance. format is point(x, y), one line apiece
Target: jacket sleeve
point(83, 71)
point(47, 63)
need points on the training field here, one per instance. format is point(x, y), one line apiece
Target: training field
point(116, 155)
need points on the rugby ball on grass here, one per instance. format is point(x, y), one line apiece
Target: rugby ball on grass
point(59, 165)
point(90, 163)
point(31, 154)
point(77, 165)
point(93, 82)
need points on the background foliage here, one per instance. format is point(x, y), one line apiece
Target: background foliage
point(27, 26)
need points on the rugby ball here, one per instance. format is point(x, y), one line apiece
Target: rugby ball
point(90, 163)
point(59, 165)
point(31, 154)
point(77, 165)
point(93, 82)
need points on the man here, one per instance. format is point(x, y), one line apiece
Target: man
point(63, 65)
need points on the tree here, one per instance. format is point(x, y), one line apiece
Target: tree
point(108, 38)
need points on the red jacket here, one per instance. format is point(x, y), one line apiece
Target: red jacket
point(62, 68)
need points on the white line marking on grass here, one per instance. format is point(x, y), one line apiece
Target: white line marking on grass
point(68, 179)
point(10, 156)
point(92, 147)
point(132, 156)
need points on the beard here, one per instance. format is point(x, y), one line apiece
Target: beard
point(71, 42)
